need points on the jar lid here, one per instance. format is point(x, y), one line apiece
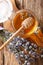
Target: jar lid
point(5, 10)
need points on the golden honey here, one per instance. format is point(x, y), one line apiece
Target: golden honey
point(19, 18)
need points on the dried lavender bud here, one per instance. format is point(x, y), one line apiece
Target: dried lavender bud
point(26, 47)
point(35, 46)
point(27, 43)
point(17, 44)
point(31, 51)
point(30, 47)
point(20, 44)
point(21, 56)
point(23, 45)
point(17, 55)
point(26, 57)
point(24, 40)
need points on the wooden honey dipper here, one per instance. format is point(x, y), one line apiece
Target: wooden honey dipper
point(25, 24)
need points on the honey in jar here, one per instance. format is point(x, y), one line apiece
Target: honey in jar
point(19, 18)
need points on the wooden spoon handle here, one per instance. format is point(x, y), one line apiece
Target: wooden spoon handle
point(11, 38)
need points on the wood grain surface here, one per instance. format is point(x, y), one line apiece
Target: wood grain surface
point(37, 7)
